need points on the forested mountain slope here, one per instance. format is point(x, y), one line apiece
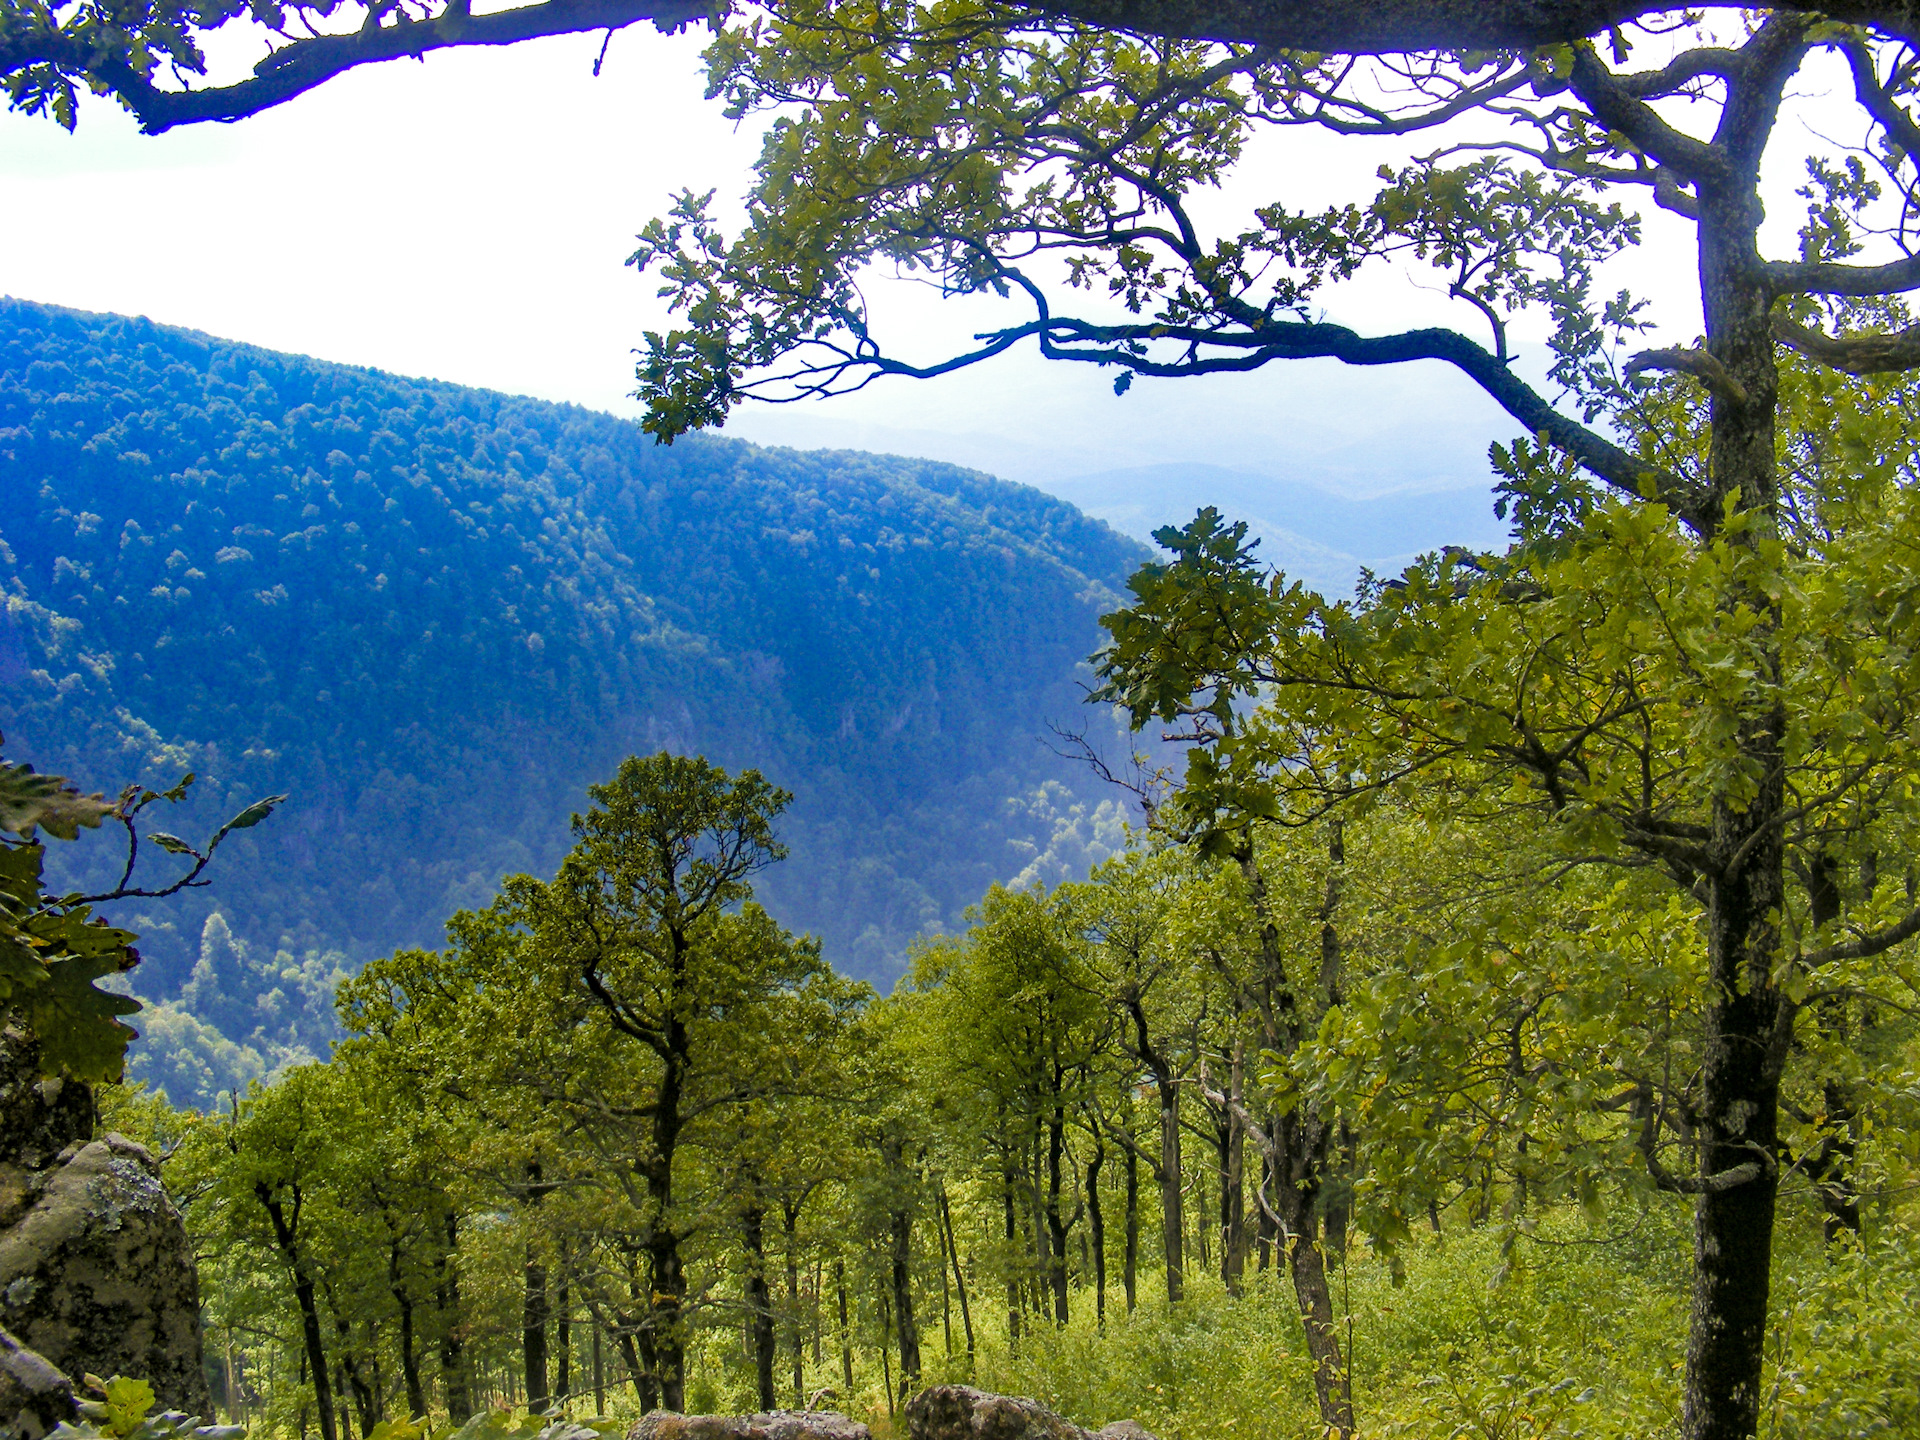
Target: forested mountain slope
point(433, 614)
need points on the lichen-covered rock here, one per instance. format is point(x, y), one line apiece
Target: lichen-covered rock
point(97, 1275)
point(773, 1425)
point(960, 1412)
point(39, 1117)
point(34, 1397)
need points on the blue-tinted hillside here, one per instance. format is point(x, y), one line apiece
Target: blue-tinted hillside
point(433, 614)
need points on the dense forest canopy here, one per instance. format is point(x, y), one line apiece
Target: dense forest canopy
point(1062, 1159)
point(434, 614)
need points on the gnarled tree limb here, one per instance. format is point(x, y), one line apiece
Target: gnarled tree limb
point(1700, 364)
point(1387, 27)
point(301, 64)
point(1855, 354)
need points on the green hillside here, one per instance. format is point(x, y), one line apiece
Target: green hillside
point(433, 614)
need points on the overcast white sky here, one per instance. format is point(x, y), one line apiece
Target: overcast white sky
point(467, 218)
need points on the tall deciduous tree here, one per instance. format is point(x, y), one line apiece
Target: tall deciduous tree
point(999, 156)
point(645, 915)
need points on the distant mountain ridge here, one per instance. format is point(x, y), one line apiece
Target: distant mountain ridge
point(1310, 533)
point(434, 614)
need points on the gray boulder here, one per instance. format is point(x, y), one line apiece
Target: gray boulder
point(960, 1412)
point(98, 1276)
point(773, 1425)
point(34, 1397)
point(96, 1270)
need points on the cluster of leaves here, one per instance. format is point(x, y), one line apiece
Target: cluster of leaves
point(51, 952)
point(123, 1409)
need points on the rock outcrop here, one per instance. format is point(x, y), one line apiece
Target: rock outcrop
point(959, 1412)
point(34, 1397)
point(773, 1425)
point(96, 1270)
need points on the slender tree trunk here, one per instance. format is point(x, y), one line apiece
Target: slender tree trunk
point(1202, 1230)
point(846, 1330)
point(563, 1344)
point(959, 1276)
point(900, 1228)
point(759, 1300)
point(946, 1293)
point(1130, 1258)
point(533, 1330)
point(409, 1360)
point(1263, 1223)
point(1013, 1260)
point(1097, 1224)
point(354, 1380)
point(599, 1372)
point(790, 1239)
point(1056, 1271)
point(1233, 1205)
point(1173, 1222)
point(1838, 1197)
point(650, 1396)
point(886, 1347)
point(1306, 1261)
point(639, 1372)
point(1832, 1166)
point(1338, 1201)
point(666, 1329)
point(286, 1239)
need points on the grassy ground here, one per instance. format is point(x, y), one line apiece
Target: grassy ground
point(1568, 1333)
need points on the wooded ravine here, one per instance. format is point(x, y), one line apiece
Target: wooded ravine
point(435, 614)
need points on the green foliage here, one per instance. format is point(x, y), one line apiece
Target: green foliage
point(53, 950)
point(125, 1411)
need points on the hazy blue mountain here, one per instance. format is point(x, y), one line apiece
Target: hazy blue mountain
point(434, 614)
point(1311, 533)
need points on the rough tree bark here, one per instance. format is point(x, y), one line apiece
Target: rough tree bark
point(759, 1302)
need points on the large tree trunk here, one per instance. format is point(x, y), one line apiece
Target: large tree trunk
point(1297, 1147)
point(1746, 1032)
